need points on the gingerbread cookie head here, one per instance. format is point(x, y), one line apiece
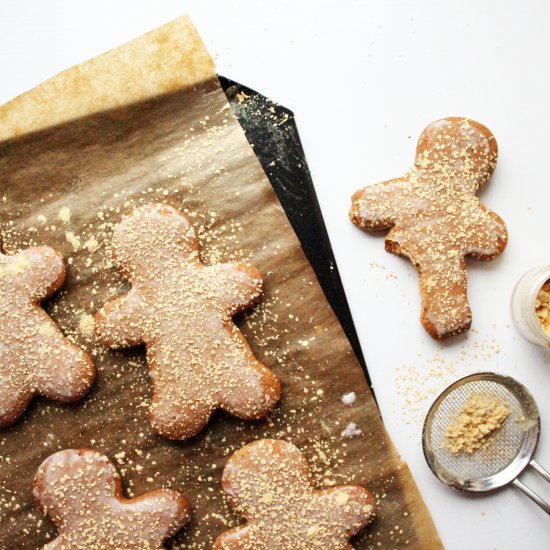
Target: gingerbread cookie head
point(182, 311)
point(435, 219)
point(464, 151)
point(81, 492)
point(36, 359)
point(152, 236)
point(269, 482)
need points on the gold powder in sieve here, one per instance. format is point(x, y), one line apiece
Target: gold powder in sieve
point(480, 417)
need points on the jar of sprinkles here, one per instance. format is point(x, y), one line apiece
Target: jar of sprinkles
point(531, 305)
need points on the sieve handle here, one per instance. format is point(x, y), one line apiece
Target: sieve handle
point(532, 495)
point(536, 466)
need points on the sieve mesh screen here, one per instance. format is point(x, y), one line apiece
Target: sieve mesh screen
point(500, 449)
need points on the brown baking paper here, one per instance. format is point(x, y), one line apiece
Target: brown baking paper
point(149, 122)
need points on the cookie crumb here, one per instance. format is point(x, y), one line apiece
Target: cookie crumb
point(351, 430)
point(91, 244)
point(86, 325)
point(65, 214)
point(73, 240)
point(349, 398)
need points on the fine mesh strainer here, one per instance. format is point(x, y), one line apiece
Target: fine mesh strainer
point(506, 453)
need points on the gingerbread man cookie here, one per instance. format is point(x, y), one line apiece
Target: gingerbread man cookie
point(182, 311)
point(436, 220)
point(81, 492)
point(35, 357)
point(270, 483)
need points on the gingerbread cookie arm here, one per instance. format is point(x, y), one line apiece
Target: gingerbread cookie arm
point(238, 285)
point(118, 324)
point(489, 237)
point(378, 206)
point(42, 270)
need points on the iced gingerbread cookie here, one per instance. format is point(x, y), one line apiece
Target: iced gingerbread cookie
point(269, 482)
point(436, 220)
point(35, 357)
point(81, 492)
point(182, 311)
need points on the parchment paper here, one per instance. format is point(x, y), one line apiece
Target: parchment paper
point(148, 122)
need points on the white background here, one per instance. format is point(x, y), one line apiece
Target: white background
point(364, 79)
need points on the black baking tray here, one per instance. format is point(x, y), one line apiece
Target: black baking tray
point(272, 132)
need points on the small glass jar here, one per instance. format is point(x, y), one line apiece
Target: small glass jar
point(524, 310)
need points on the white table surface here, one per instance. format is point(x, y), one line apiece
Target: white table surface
point(388, 68)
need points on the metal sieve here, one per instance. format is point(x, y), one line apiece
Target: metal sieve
point(505, 454)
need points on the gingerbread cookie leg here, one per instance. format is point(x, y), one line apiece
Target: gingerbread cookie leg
point(352, 508)
point(14, 398)
point(252, 390)
point(177, 418)
point(445, 308)
point(234, 539)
